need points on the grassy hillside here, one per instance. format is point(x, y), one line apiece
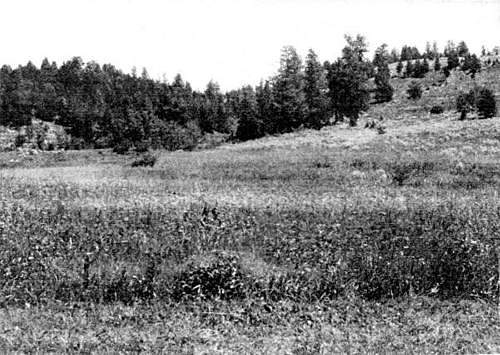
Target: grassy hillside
point(339, 240)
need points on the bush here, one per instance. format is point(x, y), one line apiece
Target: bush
point(147, 159)
point(486, 104)
point(142, 147)
point(217, 276)
point(414, 90)
point(123, 147)
point(465, 103)
point(436, 109)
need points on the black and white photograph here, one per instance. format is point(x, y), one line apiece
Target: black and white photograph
point(250, 176)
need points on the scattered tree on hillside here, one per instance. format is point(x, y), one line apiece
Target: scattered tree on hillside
point(409, 69)
point(462, 49)
point(453, 60)
point(471, 65)
point(347, 81)
point(486, 104)
point(414, 90)
point(435, 51)
point(437, 64)
point(399, 68)
point(394, 56)
point(383, 90)
point(464, 104)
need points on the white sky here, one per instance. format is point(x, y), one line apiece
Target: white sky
point(234, 42)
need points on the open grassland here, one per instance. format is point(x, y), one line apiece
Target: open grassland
point(317, 241)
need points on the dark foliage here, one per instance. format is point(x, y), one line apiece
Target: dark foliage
point(486, 104)
point(147, 159)
point(414, 90)
point(436, 109)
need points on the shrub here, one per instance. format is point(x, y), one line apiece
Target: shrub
point(123, 147)
point(147, 159)
point(414, 90)
point(486, 104)
point(464, 104)
point(217, 276)
point(436, 109)
point(142, 147)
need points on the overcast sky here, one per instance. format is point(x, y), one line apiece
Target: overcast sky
point(234, 42)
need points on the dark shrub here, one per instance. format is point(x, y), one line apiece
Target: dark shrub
point(147, 159)
point(76, 143)
point(403, 171)
point(436, 109)
point(414, 90)
point(142, 147)
point(219, 275)
point(123, 147)
point(486, 104)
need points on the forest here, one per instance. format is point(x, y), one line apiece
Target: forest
point(103, 107)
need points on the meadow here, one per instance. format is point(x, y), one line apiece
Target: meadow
point(338, 240)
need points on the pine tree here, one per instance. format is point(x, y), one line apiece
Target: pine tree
point(249, 123)
point(471, 65)
point(265, 107)
point(409, 70)
point(384, 90)
point(315, 90)
point(437, 64)
point(462, 49)
point(347, 79)
point(453, 60)
point(425, 66)
point(399, 68)
point(289, 98)
point(486, 104)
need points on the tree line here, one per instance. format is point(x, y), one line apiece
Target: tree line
point(101, 107)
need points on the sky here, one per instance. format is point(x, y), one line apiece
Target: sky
point(233, 42)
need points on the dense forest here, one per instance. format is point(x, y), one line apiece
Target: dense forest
point(101, 107)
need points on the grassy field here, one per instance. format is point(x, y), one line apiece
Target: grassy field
point(339, 240)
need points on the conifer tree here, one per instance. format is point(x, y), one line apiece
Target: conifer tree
point(315, 90)
point(347, 81)
point(289, 98)
point(249, 123)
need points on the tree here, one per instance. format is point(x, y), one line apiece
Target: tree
point(399, 68)
point(347, 81)
point(425, 66)
point(428, 51)
point(265, 107)
point(409, 70)
point(418, 71)
point(315, 89)
point(213, 113)
point(384, 90)
point(289, 98)
point(435, 51)
point(453, 60)
point(394, 56)
point(462, 49)
point(414, 90)
point(471, 65)
point(249, 123)
point(464, 104)
point(437, 64)
point(486, 104)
